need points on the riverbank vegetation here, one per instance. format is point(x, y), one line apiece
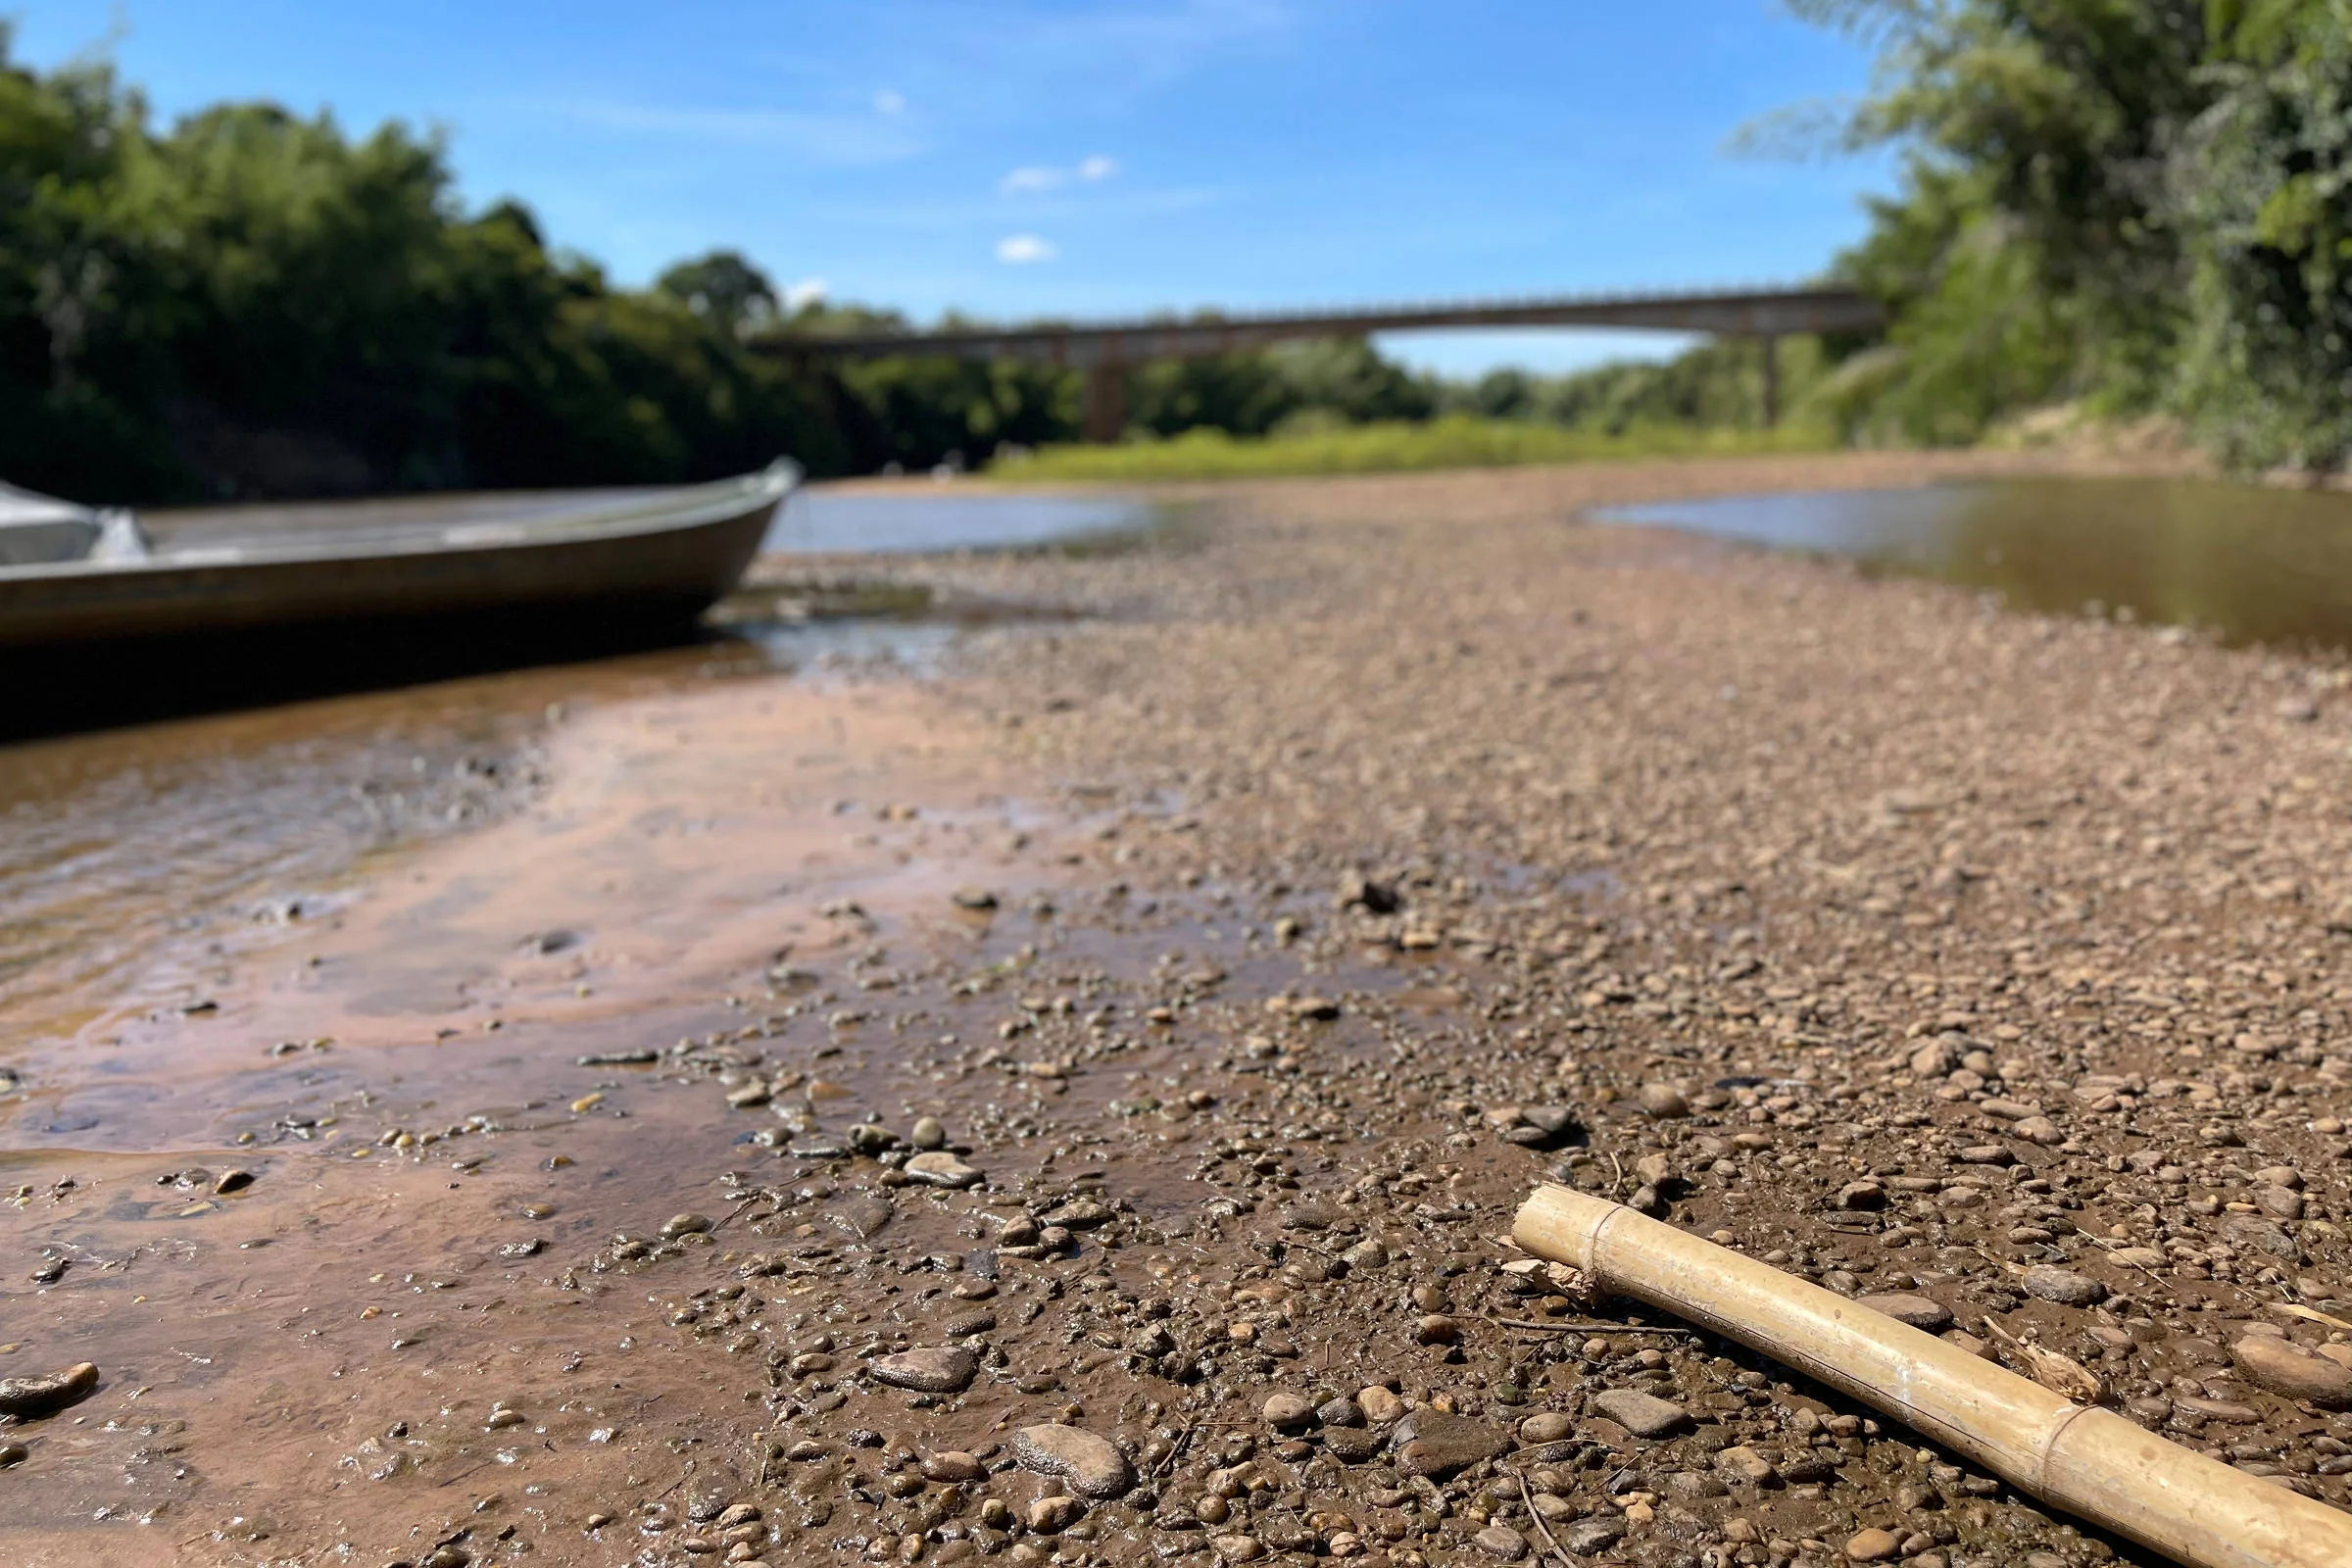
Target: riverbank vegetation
point(2134, 210)
point(1331, 446)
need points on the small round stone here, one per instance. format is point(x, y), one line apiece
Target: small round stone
point(1287, 1412)
point(2063, 1286)
point(1872, 1545)
point(1663, 1100)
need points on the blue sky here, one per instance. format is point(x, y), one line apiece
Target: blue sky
point(1013, 158)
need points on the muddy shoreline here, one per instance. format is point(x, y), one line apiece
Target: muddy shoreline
point(737, 1150)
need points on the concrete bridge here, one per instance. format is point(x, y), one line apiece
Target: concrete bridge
point(1107, 350)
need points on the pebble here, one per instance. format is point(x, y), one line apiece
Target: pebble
point(952, 1465)
point(1439, 1443)
point(1916, 1310)
point(1288, 1412)
point(1091, 1463)
point(1050, 1516)
point(1436, 1329)
point(927, 1133)
point(1874, 1545)
point(13, 1453)
point(1645, 1415)
point(687, 1225)
point(1379, 1404)
point(1744, 1463)
point(1589, 1535)
point(1238, 1549)
point(946, 1369)
point(1663, 1100)
point(1549, 1427)
point(1502, 1542)
point(939, 1168)
point(2285, 1367)
point(2063, 1286)
point(232, 1181)
point(28, 1398)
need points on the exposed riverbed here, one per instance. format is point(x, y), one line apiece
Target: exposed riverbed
point(720, 1110)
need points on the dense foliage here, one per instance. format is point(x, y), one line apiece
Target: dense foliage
point(253, 303)
point(2140, 204)
point(2135, 205)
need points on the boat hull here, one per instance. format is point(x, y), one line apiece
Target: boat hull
point(634, 559)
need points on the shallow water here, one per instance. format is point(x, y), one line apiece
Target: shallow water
point(826, 522)
point(2250, 564)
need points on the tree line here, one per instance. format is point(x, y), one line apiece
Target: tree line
point(2138, 205)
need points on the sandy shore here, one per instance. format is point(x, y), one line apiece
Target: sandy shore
point(1149, 1025)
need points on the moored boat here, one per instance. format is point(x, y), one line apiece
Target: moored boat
point(70, 576)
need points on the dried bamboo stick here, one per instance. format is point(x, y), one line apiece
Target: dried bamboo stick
point(2089, 1461)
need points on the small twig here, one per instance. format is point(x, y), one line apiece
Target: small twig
point(1588, 1325)
point(1537, 1514)
point(737, 1210)
point(1617, 1185)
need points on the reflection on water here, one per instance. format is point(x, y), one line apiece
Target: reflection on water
point(2251, 565)
point(830, 521)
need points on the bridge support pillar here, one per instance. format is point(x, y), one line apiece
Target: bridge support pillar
point(1106, 411)
point(1772, 380)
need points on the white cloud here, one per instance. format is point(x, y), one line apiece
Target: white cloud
point(804, 293)
point(1018, 250)
point(887, 102)
point(1032, 181)
point(1036, 179)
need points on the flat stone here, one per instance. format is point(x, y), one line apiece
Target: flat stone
point(2063, 1286)
point(939, 1168)
point(1077, 1215)
point(1238, 1549)
point(1351, 1444)
point(946, 1369)
point(1437, 1444)
point(2285, 1367)
point(1380, 1405)
point(1745, 1464)
point(2250, 1231)
point(863, 1215)
point(1916, 1310)
point(1645, 1415)
point(2040, 1130)
point(1502, 1542)
point(1091, 1464)
point(1589, 1535)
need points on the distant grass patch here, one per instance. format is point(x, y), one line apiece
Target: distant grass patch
point(1458, 441)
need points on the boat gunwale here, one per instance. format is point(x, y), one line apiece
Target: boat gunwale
point(677, 509)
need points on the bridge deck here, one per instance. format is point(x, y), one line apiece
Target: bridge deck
point(1104, 350)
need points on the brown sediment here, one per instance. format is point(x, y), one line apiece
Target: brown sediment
point(1389, 845)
